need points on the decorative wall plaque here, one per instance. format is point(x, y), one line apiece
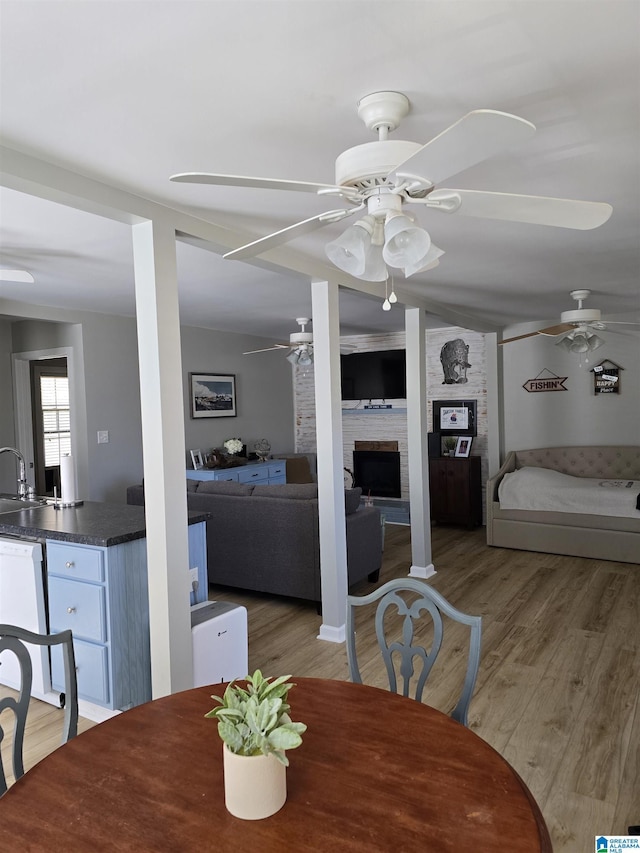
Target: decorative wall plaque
point(546, 383)
point(606, 377)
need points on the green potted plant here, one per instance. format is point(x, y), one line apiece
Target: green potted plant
point(256, 730)
point(449, 444)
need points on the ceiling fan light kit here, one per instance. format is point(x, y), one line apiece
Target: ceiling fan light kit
point(580, 341)
point(385, 175)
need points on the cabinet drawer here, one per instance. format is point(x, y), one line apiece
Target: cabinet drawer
point(92, 667)
point(74, 562)
point(278, 480)
point(79, 606)
point(226, 475)
point(254, 475)
point(277, 471)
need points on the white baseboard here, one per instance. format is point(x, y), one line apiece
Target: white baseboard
point(95, 713)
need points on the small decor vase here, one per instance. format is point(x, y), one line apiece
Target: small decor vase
point(255, 786)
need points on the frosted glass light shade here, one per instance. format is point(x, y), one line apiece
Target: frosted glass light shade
point(375, 268)
point(349, 251)
point(405, 244)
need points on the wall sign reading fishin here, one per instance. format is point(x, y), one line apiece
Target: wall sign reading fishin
point(546, 383)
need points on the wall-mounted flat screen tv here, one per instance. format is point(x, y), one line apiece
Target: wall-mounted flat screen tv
point(379, 375)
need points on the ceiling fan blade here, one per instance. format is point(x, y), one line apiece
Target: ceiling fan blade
point(536, 210)
point(267, 349)
point(257, 247)
point(473, 138)
point(21, 276)
point(553, 331)
point(256, 183)
point(550, 331)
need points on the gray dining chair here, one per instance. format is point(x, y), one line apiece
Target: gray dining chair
point(411, 597)
point(13, 639)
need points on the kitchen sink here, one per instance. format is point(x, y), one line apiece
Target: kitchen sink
point(12, 503)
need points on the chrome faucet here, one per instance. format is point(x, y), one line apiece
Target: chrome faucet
point(23, 486)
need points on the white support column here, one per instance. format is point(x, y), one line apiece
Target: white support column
point(163, 440)
point(420, 510)
point(333, 538)
point(495, 420)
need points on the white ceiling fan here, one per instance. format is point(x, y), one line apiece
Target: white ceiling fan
point(300, 345)
point(577, 327)
point(387, 177)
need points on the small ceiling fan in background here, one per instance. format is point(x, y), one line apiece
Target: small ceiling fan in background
point(577, 328)
point(300, 345)
point(387, 177)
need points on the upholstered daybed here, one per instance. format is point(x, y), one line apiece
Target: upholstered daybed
point(577, 533)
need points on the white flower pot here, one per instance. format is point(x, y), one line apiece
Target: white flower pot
point(255, 786)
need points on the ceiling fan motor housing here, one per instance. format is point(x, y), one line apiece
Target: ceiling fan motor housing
point(581, 315)
point(367, 166)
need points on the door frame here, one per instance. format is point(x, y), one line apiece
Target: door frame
point(22, 401)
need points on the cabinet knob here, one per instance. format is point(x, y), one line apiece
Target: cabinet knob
point(71, 609)
point(69, 564)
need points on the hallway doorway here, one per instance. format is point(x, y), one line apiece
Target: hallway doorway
point(51, 421)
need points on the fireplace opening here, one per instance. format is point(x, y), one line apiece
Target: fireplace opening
point(377, 472)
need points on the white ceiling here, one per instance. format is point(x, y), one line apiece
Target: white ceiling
point(131, 92)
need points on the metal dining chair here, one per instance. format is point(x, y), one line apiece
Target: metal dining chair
point(411, 597)
point(13, 639)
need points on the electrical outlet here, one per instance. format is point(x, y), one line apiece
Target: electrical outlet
point(103, 436)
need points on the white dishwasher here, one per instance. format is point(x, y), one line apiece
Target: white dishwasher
point(22, 603)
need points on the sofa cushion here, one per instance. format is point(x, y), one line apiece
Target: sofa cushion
point(295, 491)
point(223, 487)
point(192, 485)
point(352, 500)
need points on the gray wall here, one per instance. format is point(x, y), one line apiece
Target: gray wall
point(576, 416)
point(264, 391)
point(110, 396)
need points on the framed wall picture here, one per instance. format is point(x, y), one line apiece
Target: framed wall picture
point(454, 417)
point(463, 446)
point(213, 395)
point(196, 459)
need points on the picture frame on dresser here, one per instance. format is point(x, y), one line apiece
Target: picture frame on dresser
point(463, 446)
point(196, 459)
point(212, 395)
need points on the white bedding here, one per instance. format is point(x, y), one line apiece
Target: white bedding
point(545, 489)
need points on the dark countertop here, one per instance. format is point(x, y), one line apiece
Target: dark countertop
point(90, 523)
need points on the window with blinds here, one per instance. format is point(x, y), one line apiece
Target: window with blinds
point(56, 419)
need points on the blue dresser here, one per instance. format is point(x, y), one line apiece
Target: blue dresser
point(270, 473)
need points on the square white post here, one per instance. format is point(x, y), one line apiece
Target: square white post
point(331, 511)
point(419, 504)
point(163, 441)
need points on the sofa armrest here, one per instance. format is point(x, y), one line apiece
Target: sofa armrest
point(364, 543)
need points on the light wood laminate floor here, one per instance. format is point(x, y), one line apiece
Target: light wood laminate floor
point(557, 692)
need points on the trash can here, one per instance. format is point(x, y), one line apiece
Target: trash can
point(220, 642)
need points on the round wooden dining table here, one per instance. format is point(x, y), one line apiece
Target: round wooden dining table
point(375, 772)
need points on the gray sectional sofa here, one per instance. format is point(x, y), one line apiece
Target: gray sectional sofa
point(266, 538)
